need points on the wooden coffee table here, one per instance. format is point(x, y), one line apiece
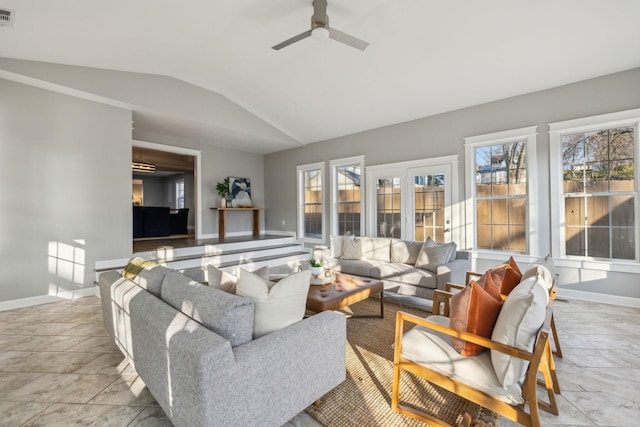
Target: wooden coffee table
point(344, 291)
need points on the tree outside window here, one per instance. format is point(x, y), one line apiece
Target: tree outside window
point(599, 191)
point(501, 196)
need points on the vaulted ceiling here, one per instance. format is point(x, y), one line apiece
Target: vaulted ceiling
point(425, 56)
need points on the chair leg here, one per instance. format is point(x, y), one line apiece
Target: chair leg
point(556, 340)
point(552, 369)
point(550, 382)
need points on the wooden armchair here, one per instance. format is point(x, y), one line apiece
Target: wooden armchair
point(443, 309)
point(459, 374)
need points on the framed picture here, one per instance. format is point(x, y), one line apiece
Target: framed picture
point(240, 192)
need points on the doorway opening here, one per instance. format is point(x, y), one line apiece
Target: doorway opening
point(165, 192)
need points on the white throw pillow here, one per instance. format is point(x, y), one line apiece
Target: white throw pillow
point(518, 323)
point(276, 305)
point(430, 257)
point(542, 273)
point(376, 248)
point(351, 249)
point(222, 280)
point(335, 244)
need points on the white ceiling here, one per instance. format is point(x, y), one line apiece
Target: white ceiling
point(425, 56)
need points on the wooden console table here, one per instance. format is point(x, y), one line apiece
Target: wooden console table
point(222, 219)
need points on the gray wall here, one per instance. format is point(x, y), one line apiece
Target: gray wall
point(154, 191)
point(75, 192)
point(160, 191)
point(66, 190)
point(444, 134)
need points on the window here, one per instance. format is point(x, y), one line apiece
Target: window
point(180, 194)
point(311, 201)
point(388, 215)
point(500, 191)
point(596, 196)
point(346, 196)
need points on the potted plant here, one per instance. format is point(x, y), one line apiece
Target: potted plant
point(316, 267)
point(222, 188)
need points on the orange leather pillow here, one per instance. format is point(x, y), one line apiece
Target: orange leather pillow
point(506, 276)
point(473, 310)
point(489, 285)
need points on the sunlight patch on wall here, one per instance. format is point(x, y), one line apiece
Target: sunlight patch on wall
point(67, 262)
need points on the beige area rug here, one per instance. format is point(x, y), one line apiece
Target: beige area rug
point(364, 398)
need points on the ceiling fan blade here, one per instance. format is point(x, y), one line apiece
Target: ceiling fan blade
point(292, 40)
point(347, 39)
point(320, 12)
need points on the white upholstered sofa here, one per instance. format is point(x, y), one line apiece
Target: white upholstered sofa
point(405, 267)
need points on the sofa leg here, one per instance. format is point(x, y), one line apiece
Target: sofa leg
point(317, 403)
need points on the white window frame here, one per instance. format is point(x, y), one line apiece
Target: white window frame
point(529, 136)
point(334, 165)
point(178, 184)
point(587, 124)
point(301, 170)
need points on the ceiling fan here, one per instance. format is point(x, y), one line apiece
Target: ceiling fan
point(320, 29)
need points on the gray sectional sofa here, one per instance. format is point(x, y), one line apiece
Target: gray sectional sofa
point(395, 262)
point(193, 347)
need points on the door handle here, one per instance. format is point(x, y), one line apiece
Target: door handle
point(446, 230)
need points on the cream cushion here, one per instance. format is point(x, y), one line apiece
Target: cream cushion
point(335, 246)
point(376, 248)
point(222, 280)
point(540, 271)
point(351, 249)
point(276, 305)
point(435, 351)
point(518, 323)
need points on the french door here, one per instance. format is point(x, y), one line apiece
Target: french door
point(429, 203)
point(411, 203)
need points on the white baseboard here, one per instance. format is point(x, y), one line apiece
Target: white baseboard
point(281, 232)
point(248, 233)
point(231, 234)
point(596, 297)
point(44, 299)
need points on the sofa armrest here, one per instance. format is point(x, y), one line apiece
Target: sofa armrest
point(453, 271)
point(105, 281)
point(293, 366)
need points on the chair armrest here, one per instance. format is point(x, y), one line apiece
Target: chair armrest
point(445, 305)
point(449, 286)
point(471, 275)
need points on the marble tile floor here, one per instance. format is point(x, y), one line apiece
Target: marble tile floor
point(600, 371)
point(59, 367)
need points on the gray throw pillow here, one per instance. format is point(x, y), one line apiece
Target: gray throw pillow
point(405, 251)
point(431, 242)
point(430, 257)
